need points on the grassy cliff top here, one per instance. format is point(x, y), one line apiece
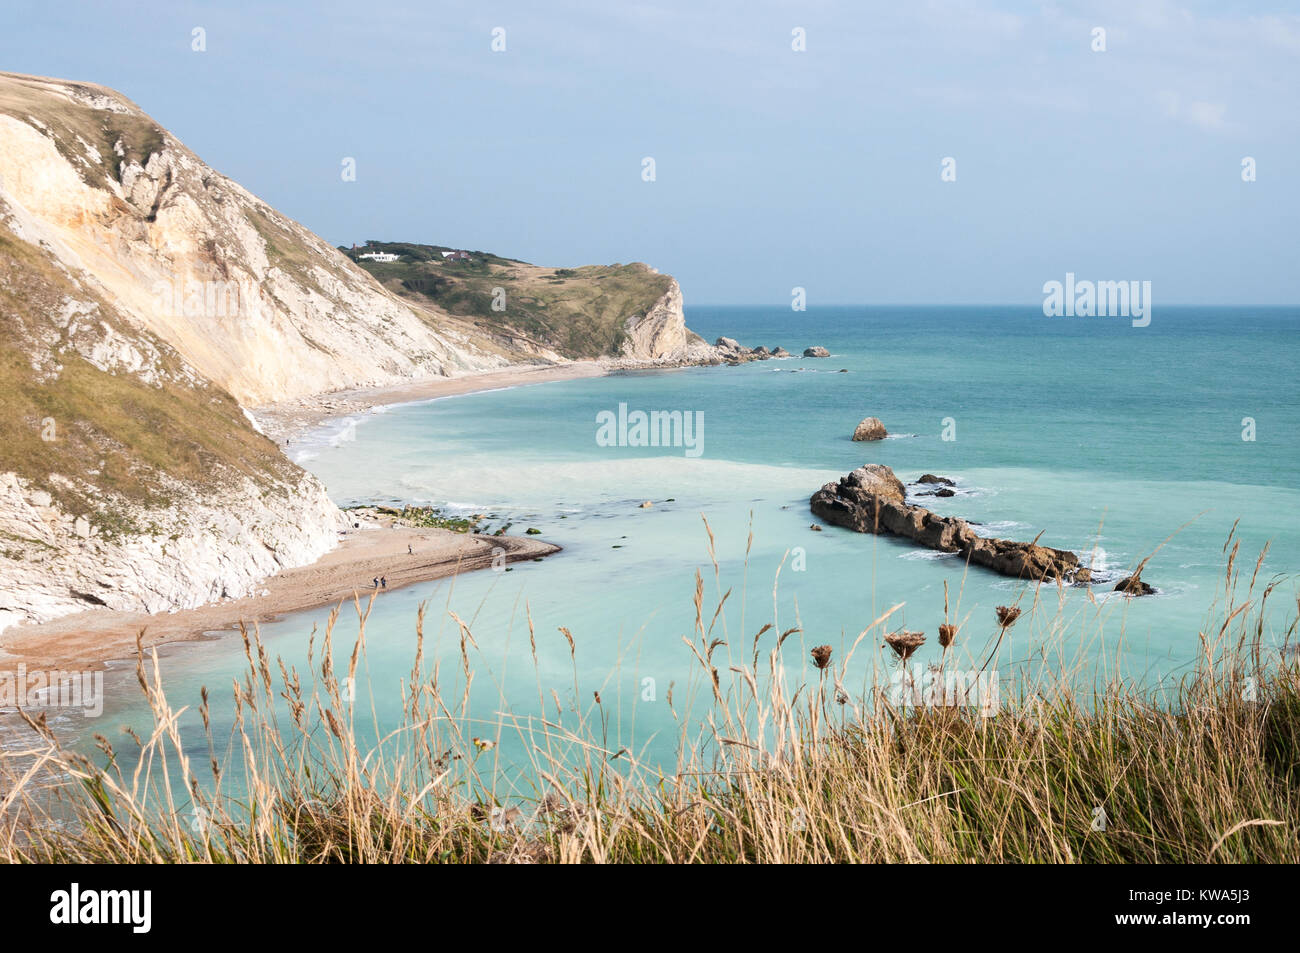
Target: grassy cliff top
point(96, 141)
point(578, 312)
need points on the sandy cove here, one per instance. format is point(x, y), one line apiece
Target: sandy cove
point(88, 639)
point(289, 419)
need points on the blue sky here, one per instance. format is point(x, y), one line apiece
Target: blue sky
point(775, 168)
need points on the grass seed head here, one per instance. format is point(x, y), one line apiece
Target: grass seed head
point(905, 643)
point(821, 656)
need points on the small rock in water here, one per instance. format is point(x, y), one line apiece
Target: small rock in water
point(817, 351)
point(870, 429)
point(1134, 586)
point(533, 531)
point(931, 478)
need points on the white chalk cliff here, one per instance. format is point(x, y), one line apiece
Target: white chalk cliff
point(661, 333)
point(177, 247)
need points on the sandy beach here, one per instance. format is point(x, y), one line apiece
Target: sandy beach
point(378, 549)
point(289, 419)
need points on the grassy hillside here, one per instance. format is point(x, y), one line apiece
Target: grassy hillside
point(579, 312)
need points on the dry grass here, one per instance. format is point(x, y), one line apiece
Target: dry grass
point(776, 772)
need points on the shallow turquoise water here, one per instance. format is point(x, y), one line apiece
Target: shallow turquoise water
point(1108, 439)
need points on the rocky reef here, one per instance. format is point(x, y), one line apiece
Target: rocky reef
point(731, 351)
point(872, 499)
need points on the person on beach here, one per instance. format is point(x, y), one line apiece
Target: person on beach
point(375, 584)
point(383, 581)
point(409, 550)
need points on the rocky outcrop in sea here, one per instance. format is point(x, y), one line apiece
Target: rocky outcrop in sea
point(872, 499)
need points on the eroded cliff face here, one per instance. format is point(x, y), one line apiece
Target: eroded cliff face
point(203, 547)
point(127, 479)
point(253, 301)
point(661, 333)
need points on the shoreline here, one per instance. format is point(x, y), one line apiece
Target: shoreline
point(87, 640)
point(291, 419)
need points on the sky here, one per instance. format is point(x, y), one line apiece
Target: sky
point(774, 168)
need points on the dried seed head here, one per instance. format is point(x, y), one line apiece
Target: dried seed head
point(552, 803)
point(821, 656)
point(905, 643)
point(1007, 615)
point(947, 635)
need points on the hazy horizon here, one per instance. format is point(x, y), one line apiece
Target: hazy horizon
point(775, 168)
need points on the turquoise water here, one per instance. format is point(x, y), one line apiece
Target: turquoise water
point(1105, 438)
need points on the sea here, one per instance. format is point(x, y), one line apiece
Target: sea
point(1121, 443)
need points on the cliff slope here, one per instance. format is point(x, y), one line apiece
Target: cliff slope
point(126, 479)
point(254, 301)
